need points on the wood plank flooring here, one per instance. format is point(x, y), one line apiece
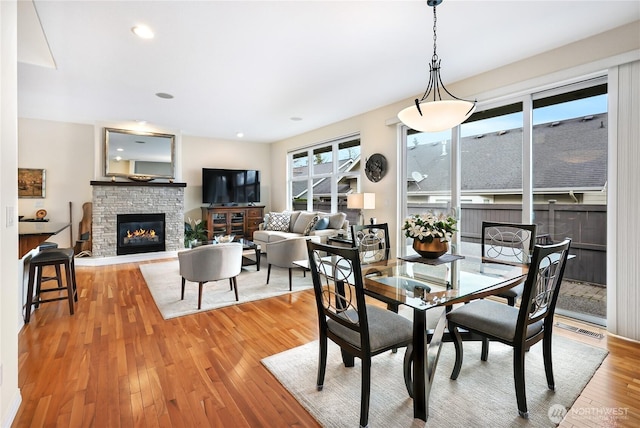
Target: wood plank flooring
point(117, 363)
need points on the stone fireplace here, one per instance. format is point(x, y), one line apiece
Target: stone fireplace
point(112, 199)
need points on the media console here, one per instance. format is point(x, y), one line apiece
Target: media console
point(241, 221)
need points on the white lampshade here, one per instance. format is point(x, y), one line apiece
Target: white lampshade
point(437, 115)
point(363, 201)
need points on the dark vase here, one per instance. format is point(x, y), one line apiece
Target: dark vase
point(430, 250)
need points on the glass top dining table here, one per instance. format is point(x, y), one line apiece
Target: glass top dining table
point(425, 284)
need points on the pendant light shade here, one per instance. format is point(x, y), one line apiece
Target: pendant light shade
point(431, 113)
point(437, 115)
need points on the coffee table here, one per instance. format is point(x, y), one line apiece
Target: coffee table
point(249, 247)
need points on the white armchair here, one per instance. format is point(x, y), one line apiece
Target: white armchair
point(211, 263)
point(284, 253)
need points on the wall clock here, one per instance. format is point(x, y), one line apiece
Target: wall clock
point(376, 167)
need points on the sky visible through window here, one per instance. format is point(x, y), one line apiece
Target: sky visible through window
point(552, 113)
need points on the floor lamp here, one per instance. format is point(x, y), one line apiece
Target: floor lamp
point(361, 201)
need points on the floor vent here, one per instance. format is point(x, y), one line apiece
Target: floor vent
point(580, 330)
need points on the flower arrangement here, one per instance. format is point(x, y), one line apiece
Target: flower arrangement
point(429, 226)
point(194, 231)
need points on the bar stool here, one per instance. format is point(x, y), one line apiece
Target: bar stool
point(51, 257)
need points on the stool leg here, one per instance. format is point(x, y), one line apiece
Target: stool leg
point(70, 286)
point(27, 310)
point(36, 303)
point(73, 276)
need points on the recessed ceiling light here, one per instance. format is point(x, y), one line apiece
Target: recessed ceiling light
point(164, 95)
point(141, 122)
point(295, 118)
point(120, 149)
point(240, 135)
point(143, 32)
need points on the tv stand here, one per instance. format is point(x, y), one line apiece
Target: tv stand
point(240, 221)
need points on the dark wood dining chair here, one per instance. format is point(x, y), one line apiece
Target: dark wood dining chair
point(521, 327)
point(361, 330)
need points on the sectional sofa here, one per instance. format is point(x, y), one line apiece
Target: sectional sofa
point(291, 224)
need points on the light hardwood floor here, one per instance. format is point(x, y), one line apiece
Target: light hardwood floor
point(116, 362)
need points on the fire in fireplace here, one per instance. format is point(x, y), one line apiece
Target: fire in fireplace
point(140, 233)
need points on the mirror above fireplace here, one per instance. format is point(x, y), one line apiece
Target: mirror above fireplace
point(136, 154)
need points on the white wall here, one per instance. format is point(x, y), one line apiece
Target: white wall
point(9, 298)
point(65, 151)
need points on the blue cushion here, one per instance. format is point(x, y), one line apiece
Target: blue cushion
point(321, 224)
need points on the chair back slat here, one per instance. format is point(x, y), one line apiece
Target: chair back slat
point(542, 285)
point(511, 242)
point(372, 241)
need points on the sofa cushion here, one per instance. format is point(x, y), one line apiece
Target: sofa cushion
point(321, 224)
point(304, 217)
point(278, 222)
point(268, 236)
point(311, 225)
point(336, 220)
point(294, 219)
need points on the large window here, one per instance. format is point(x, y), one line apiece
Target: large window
point(321, 176)
point(539, 158)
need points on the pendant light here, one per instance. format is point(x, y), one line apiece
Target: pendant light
point(431, 113)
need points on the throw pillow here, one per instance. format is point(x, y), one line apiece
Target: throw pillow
point(304, 217)
point(322, 224)
point(310, 226)
point(337, 220)
point(279, 222)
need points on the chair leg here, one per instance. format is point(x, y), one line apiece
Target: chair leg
point(347, 358)
point(511, 301)
point(200, 284)
point(235, 286)
point(182, 296)
point(290, 287)
point(548, 363)
point(407, 369)
point(365, 393)
point(457, 342)
point(230, 284)
point(322, 363)
point(484, 355)
point(518, 376)
point(268, 272)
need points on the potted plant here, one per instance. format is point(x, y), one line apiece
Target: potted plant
point(431, 233)
point(194, 231)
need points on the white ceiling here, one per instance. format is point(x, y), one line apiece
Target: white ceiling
point(251, 66)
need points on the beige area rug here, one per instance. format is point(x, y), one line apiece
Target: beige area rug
point(164, 281)
point(483, 395)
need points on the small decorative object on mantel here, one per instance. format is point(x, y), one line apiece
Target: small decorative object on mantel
point(140, 178)
point(431, 233)
point(376, 167)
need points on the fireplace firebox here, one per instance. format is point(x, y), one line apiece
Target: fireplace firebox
point(140, 233)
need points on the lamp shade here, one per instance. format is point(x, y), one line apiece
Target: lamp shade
point(437, 115)
point(363, 201)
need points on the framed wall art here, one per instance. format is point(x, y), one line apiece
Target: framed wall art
point(31, 183)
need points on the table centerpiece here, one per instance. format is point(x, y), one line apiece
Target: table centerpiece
point(431, 233)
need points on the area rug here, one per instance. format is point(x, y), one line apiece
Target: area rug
point(483, 395)
point(164, 282)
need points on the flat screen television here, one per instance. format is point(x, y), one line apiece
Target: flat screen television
point(230, 186)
